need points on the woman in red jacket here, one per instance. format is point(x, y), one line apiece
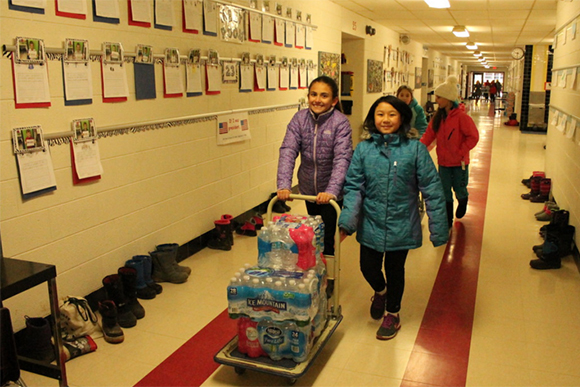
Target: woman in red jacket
point(456, 135)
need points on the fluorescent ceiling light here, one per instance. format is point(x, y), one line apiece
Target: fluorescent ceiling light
point(438, 3)
point(460, 31)
point(471, 46)
point(481, 59)
point(477, 53)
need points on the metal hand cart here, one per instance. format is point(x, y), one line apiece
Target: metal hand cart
point(229, 354)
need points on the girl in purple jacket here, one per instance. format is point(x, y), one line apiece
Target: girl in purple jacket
point(322, 136)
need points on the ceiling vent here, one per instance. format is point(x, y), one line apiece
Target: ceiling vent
point(404, 39)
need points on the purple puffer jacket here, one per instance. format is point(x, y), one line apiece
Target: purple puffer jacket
point(325, 147)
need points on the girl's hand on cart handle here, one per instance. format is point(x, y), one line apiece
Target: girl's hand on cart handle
point(343, 235)
point(324, 198)
point(284, 194)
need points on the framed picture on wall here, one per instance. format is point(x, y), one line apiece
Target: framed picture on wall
point(374, 76)
point(329, 64)
point(418, 77)
point(430, 77)
point(229, 72)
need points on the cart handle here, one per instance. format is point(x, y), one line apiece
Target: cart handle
point(311, 198)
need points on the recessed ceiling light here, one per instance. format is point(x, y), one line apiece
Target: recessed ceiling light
point(438, 3)
point(477, 53)
point(471, 46)
point(481, 59)
point(460, 31)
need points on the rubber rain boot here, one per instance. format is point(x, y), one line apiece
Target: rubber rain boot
point(230, 232)
point(461, 208)
point(544, 194)
point(129, 279)
point(112, 331)
point(174, 249)
point(220, 241)
point(114, 289)
point(143, 291)
point(449, 214)
point(165, 268)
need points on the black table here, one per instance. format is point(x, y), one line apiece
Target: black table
point(18, 276)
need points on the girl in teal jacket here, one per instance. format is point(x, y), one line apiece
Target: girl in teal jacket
point(419, 120)
point(387, 172)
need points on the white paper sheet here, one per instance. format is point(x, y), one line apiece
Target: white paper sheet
point(210, 17)
point(284, 77)
point(261, 77)
point(173, 79)
point(107, 8)
point(214, 78)
point(272, 77)
point(141, 11)
point(233, 128)
point(267, 29)
point(280, 30)
point(255, 26)
point(193, 78)
point(114, 80)
point(77, 81)
point(290, 34)
point(30, 3)
point(312, 74)
point(309, 38)
point(164, 14)
point(87, 159)
point(246, 77)
point(36, 171)
point(571, 128)
point(293, 77)
point(303, 77)
point(73, 6)
point(31, 83)
point(300, 35)
point(193, 12)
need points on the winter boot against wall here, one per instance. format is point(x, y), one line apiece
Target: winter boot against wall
point(545, 188)
point(560, 219)
point(251, 226)
point(449, 214)
point(114, 289)
point(129, 279)
point(35, 342)
point(165, 268)
point(174, 249)
point(560, 241)
point(112, 331)
point(220, 240)
point(143, 291)
point(534, 188)
point(231, 227)
point(461, 208)
point(528, 182)
point(546, 214)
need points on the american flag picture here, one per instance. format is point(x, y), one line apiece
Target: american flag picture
point(223, 128)
point(244, 124)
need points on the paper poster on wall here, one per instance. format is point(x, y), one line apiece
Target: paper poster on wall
point(302, 74)
point(85, 157)
point(71, 8)
point(246, 73)
point(144, 73)
point(329, 64)
point(312, 71)
point(260, 70)
point(30, 74)
point(374, 76)
point(172, 74)
point(192, 11)
point(233, 128)
point(293, 69)
point(33, 6)
point(77, 75)
point(231, 24)
point(193, 70)
point(284, 72)
point(34, 162)
point(106, 11)
point(290, 34)
point(267, 29)
point(114, 78)
point(300, 35)
point(140, 12)
point(309, 42)
point(210, 16)
point(279, 31)
point(272, 77)
point(164, 14)
point(213, 74)
point(255, 21)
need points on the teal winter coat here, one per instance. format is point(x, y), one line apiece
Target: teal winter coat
point(382, 185)
point(419, 120)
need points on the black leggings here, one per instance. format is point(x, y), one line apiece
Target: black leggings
point(371, 262)
point(328, 214)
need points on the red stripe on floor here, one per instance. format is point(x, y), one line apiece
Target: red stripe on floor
point(441, 352)
point(193, 362)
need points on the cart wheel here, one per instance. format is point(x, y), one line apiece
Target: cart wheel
point(239, 370)
point(292, 381)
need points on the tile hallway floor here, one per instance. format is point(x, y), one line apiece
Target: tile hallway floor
point(525, 328)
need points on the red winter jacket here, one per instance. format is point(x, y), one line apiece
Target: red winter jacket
point(456, 136)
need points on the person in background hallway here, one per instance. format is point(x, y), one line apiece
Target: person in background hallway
point(498, 87)
point(387, 172)
point(419, 120)
point(485, 90)
point(322, 136)
point(477, 90)
point(456, 135)
point(492, 91)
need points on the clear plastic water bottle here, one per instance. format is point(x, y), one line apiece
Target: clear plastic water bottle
point(321, 232)
point(236, 298)
point(289, 260)
point(302, 303)
point(299, 342)
point(264, 247)
point(272, 338)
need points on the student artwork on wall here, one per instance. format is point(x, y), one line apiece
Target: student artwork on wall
point(293, 67)
point(246, 73)
point(272, 73)
point(255, 27)
point(139, 12)
point(231, 24)
point(164, 14)
point(233, 128)
point(76, 70)
point(260, 70)
point(329, 64)
point(144, 73)
point(30, 74)
point(284, 72)
point(374, 76)
point(311, 71)
point(309, 38)
point(302, 74)
point(210, 10)
point(71, 8)
point(114, 77)
point(430, 77)
point(193, 73)
point(192, 13)
point(279, 31)
point(267, 29)
point(106, 11)
point(172, 74)
point(33, 6)
point(85, 157)
point(213, 75)
point(35, 168)
point(418, 77)
point(300, 36)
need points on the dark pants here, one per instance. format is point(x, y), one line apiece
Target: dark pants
point(454, 178)
point(371, 263)
point(328, 214)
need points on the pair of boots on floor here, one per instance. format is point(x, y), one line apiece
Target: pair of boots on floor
point(137, 279)
point(539, 186)
point(558, 242)
point(223, 233)
point(459, 212)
